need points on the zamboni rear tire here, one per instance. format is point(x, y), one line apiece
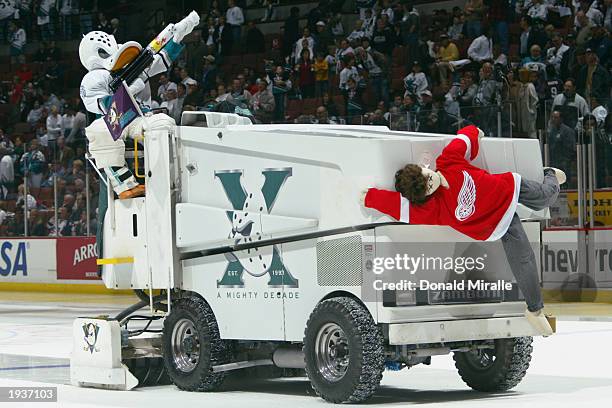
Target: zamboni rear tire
point(344, 352)
point(191, 346)
point(498, 369)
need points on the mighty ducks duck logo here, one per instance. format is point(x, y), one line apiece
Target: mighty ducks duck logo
point(90, 331)
point(247, 227)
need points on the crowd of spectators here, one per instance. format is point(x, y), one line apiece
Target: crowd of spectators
point(513, 67)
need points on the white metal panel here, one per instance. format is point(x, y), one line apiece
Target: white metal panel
point(328, 172)
point(249, 310)
point(459, 330)
point(120, 242)
point(159, 212)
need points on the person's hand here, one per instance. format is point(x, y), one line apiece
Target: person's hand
point(136, 86)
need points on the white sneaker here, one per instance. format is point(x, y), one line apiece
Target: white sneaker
point(539, 322)
point(559, 174)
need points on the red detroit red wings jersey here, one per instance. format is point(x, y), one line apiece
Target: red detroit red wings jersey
point(476, 203)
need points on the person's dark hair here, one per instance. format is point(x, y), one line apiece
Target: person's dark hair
point(527, 19)
point(411, 183)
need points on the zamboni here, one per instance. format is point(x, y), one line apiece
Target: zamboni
point(252, 246)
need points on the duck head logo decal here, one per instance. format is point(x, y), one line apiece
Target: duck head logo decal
point(90, 331)
point(247, 228)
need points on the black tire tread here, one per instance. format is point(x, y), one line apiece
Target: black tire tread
point(516, 356)
point(372, 341)
point(205, 318)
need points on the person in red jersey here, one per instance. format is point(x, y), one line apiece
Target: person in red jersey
point(476, 203)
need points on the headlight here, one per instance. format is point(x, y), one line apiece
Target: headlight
point(396, 298)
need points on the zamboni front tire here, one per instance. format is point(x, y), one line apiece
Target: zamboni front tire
point(498, 369)
point(191, 346)
point(344, 353)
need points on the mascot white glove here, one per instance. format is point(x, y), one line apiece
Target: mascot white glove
point(185, 26)
point(136, 86)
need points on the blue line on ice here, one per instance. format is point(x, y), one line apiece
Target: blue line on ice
point(34, 367)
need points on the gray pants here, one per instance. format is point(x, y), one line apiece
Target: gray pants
point(521, 257)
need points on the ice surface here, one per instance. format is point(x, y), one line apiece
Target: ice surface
point(570, 369)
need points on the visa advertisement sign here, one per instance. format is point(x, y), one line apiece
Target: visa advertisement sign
point(27, 260)
point(13, 258)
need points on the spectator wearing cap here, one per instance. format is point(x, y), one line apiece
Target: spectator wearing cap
point(164, 86)
point(593, 79)
point(416, 82)
point(255, 42)
point(193, 94)
point(554, 55)
point(262, 103)
point(572, 105)
point(323, 38)
point(481, 49)
point(235, 19)
point(209, 73)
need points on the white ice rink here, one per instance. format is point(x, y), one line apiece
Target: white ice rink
point(572, 368)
